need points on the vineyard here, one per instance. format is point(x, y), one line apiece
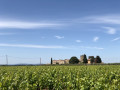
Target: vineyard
point(92, 77)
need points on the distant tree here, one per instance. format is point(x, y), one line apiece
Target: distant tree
point(85, 59)
point(98, 59)
point(73, 60)
point(51, 61)
point(92, 58)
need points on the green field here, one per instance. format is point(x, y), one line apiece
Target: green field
point(91, 77)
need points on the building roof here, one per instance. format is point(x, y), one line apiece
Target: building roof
point(61, 60)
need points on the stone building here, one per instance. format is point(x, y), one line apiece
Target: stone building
point(66, 61)
point(81, 58)
point(90, 59)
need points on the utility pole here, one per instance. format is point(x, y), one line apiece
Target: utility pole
point(6, 59)
point(40, 61)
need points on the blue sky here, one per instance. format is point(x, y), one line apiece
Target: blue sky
point(30, 29)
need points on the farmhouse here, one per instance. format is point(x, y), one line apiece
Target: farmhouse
point(66, 61)
point(90, 60)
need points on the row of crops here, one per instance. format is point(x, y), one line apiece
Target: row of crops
point(92, 77)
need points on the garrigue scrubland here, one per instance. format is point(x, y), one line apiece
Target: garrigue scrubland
point(80, 77)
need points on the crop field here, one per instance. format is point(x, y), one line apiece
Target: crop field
point(84, 77)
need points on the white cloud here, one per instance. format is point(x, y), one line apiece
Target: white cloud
point(48, 47)
point(87, 47)
point(95, 39)
point(26, 25)
point(78, 41)
point(30, 46)
point(110, 30)
point(118, 38)
point(7, 33)
point(59, 37)
point(98, 48)
point(106, 19)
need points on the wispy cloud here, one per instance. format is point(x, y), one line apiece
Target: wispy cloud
point(95, 39)
point(87, 47)
point(118, 38)
point(30, 46)
point(106, 19)
point(26, 25)
point(7, 33)
point(59, 37)
point(110, 30)
point(47, 46)
point(78, 41)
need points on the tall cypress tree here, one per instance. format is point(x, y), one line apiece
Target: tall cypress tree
point(51, 61)
point(85, 59)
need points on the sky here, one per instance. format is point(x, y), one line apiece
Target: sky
point(34, 29)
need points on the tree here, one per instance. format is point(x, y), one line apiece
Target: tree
point(85, 59)
point(73, 60)
point(51, 61)
point(98, 59)
point(92, 58)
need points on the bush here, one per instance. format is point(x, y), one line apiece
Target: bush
point(98, 59)
point(74, 60)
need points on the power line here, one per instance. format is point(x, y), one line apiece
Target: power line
point(11, 58)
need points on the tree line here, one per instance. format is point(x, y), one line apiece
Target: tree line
point(75, 60)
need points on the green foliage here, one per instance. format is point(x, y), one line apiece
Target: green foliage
point(98, 59)
point(92, 58)
point(85, 59)
point(74, 60)
point(84, 77)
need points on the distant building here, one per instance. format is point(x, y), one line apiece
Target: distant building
point(81, 58)
point(90, 60)
point(66, 61)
